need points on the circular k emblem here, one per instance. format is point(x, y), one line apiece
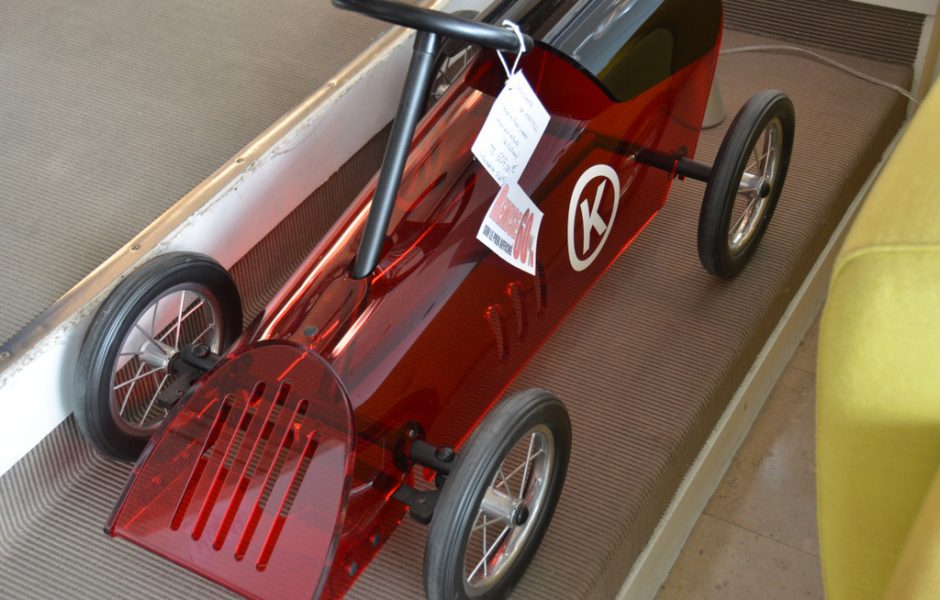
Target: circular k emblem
point(592, 215)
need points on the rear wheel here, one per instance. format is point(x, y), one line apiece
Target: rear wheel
point(125, 361)
point(746, 182)
point(497, 502)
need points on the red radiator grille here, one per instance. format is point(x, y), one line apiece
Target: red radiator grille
point(249, 478)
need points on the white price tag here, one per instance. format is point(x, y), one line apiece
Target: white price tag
point(512, 130)
point(511, 227)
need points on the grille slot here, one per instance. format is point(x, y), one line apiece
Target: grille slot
point(288, 502)
point(494, 317)
point(205, 454)
point(251, 465)
point(288, 439)
point(541, 289)
point(517, 296)
point(225, 466)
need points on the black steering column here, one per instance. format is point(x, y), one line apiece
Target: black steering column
point(431, 26)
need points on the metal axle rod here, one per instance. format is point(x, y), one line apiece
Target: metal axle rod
point(687, 168)
point(677, 164)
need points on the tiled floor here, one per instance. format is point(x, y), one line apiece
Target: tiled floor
point(757, 536)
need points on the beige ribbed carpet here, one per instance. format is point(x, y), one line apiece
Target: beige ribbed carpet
point(111, 110)
point(886, 34)
point(646, 364)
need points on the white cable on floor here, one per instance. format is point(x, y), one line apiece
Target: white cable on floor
point(834, 63)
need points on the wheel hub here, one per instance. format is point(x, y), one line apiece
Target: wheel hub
point(764, 187)
point(499, 506)
point(755, 185)
point(156, 354)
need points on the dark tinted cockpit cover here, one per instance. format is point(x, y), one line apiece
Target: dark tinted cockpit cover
point(628, 45)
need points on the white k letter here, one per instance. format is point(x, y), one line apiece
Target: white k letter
point(591, 218)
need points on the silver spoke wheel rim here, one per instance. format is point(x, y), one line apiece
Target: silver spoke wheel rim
point(183, 315)
point(757, 185)
point(519, 486)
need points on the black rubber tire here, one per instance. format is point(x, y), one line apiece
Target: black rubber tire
point(715, 217)
point(463, 492)
point(111, 323)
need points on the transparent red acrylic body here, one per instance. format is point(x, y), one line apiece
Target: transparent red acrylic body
point(433, 337)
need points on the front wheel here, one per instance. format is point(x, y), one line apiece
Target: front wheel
point(497, 502)
point(745, 183)
point(126, 358)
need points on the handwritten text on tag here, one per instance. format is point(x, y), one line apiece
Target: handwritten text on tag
point(512, 130)
point(511, 227)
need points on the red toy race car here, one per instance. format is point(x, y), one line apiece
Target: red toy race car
point(278, 460)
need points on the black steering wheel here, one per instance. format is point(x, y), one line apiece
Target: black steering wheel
point(423, 19)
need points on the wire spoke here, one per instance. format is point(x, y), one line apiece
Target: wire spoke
point(179, 321)
point(768, 148)
point(505, 482)
point(137, 376)
point(184, 318)
point(757, 162)
point(127, 396)
point(745, 218)
point(194, 308)
point(204, 332)
point(489, 522)
point(153, 399)
point(528, 461)
point(487, 553)
point(534, 456)
point(484, 545)
point(149, 337)
point(771, 154)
